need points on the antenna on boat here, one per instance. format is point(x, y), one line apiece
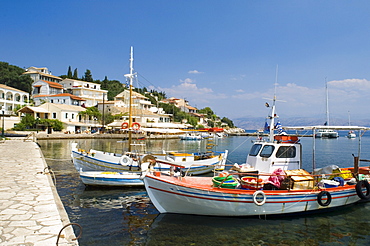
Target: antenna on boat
point(273, 114)
point(273, 111)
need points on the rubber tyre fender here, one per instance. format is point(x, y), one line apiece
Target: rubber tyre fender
point(328, 199)
point(359, 185)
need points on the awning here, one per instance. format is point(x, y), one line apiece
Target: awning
point(162, 130)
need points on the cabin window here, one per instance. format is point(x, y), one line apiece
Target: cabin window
point(286, 152)
point(267, 151)
point(255, 149)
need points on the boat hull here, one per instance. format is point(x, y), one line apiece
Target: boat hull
point(171, 195)
point(97, 178)
point(103, 161)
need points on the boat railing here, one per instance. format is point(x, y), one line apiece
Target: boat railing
point(289, 180)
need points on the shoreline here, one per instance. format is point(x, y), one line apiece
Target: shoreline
point(56, 135)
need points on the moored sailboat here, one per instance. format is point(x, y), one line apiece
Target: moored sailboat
point(133, 162)
point(327, 132)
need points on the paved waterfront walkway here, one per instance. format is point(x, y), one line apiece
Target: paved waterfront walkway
point(31, 213)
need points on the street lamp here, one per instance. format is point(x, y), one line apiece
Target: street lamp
point(2, 132)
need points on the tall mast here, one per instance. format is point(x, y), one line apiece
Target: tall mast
point(327, 103)
point(130, 77)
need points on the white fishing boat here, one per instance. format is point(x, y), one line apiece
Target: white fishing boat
point(197, 163)
point(136, 159)
point(326, 133)
point(272, 183)
point(351, 134)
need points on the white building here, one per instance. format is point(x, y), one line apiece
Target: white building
point(68, 114)
point(11, 99)
point(63, 98)
point(43, 73)
point(88, 91)
point(44, 84)
point(139, 101)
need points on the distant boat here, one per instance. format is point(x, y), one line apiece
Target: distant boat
point(351, 134)
point(327, 133)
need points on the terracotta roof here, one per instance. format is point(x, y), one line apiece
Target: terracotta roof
point(198, 115)
point(45, 74)
point(54, 84)
point(10, 88)
point(190, 107)
point(68, 95)
point(62, 95)
point(41, 96)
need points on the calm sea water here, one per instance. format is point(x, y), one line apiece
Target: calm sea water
point(122, 216)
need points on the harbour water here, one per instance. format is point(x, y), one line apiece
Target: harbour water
point(125, 216)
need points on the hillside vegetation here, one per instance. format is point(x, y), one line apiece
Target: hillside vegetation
point(12, 76)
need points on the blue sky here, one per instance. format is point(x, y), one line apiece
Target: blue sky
point(218, 54)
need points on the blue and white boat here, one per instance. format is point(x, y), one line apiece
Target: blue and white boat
point(97, 178)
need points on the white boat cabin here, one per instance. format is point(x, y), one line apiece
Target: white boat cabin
point(284, 152)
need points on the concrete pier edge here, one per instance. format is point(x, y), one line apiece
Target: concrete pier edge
point(68, 231)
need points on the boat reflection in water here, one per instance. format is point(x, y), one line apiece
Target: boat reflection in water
point(113, 216)
point(320, 229)
point(125, 216)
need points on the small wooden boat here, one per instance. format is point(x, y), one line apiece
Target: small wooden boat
point(97, 178)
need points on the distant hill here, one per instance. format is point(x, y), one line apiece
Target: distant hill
point(255, 123)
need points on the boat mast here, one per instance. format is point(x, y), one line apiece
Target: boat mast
point(327, 103)
point(130, 76)
point(273, 114)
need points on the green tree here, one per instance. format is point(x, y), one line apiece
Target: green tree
point(88, 76)
point(91, 113)
point(57, 125)
point(13, 76)
point(108, 118)
point(69, 73)
point(114, 87)
point(193, 121)
point(27, 122)
point(207, 111)
point(228, 122)
point(75, 74)
point(210, 123)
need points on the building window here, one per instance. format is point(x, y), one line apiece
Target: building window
point(66, 116)
point(54, 115)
